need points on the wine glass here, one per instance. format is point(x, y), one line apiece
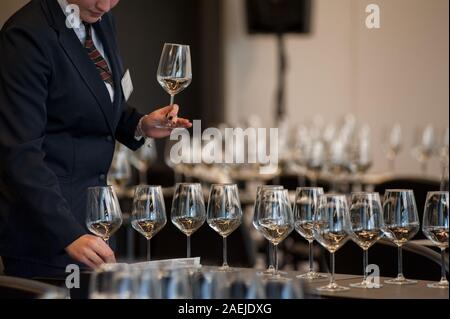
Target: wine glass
point(120, 171)
point(149, 212)
point(188, 210)
point(401, 223)
point(104, 216)
point(174, 70)
point(365, 227)
point(425, 147)
point(274, 219)
point(330, 230)
point(435, 228)
point(224, 213)
point(305, 207)
point(393, 146)
point(270, 270)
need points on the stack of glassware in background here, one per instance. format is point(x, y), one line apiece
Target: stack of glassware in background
point(186, 279)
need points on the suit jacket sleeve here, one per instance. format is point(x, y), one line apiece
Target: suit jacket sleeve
point(126, 128)
point(24, 73)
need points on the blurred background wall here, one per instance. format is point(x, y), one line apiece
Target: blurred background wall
point(398, 73)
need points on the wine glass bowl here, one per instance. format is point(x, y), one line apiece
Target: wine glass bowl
point(174, 71)
point(305, 207)
point(188, 210)
point(401, 223)
point(271, 269)
point(149, 212)
point(331, 230)
point(435, 228)
point(104, 216)
point(274, 219)
point(224, 213)
point(365, 227)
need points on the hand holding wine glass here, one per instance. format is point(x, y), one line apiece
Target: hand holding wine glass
point(174, 72)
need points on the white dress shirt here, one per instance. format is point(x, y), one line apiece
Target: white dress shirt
point(81, 34)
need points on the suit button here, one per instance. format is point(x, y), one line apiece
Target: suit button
point(109, 138)
point(102, 177)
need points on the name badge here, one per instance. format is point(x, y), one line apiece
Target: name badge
point(127, 85)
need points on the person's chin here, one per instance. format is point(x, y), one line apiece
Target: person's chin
point(91, 19)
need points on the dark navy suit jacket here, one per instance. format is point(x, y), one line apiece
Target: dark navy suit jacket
point(58, 129)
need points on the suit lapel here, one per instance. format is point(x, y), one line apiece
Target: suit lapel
point(80, 60)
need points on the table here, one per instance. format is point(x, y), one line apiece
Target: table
point(418, 291)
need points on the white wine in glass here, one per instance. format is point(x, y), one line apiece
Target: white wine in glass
point(188, 210)
point(149, 212)
point(435, 227)
point(104, 216)
point(401, 223)
point(174, 72)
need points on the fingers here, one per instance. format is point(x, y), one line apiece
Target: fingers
point(183, 123)
point(103, 250)
point(88, 263)
point(94, 259)
point(172, 115)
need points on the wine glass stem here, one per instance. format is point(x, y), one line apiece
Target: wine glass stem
point(365, 261)
point(332, 269)
point(400, 262)
point(270, 255)
point(311, 259)
point(225, 257)
point(148, 250)
point(188, 248)
point(172, 99)
point(275, 257)
point(443, 274)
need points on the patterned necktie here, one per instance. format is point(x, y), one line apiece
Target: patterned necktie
point(96, 57)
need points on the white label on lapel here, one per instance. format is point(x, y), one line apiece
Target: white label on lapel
point(127, 85)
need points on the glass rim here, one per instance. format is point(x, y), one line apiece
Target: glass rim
point(223, 184)
point(398, 190)
point(176, 44)
point(365, 193)
point(438, 193)
point(270, 186)
point(148, 186)
point(187, 184)
point(308, 188)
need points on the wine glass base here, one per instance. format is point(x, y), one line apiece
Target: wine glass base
point(440, 285)
point(400, 281)
point(312, 275)
point(366, 285)
point(332, 288)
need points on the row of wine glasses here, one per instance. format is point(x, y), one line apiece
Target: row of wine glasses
point(325, 218)
point(188, 213)
point(366, 221)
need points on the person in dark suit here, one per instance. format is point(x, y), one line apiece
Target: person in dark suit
point(62, 108)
